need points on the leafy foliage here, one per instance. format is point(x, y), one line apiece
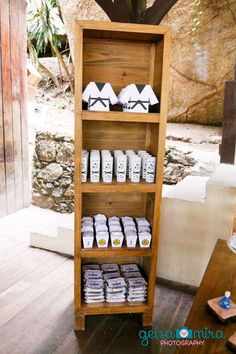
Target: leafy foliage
point(45, 24)
point(45, 27)
point(197, 20)
point(136, 9)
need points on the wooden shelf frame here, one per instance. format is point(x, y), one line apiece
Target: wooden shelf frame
point(112, 308)
point(122, 54)
point(96, 252)
point(116, 187)
point(118, 116)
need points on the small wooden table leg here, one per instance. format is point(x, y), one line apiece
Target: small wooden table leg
point(79, 322)
point(147, 319)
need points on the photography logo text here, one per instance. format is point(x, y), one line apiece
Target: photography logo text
point(180, 337)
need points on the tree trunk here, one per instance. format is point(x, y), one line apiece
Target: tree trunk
point(139, 9)
point(136, 10)
point(117, 11)
point(35, 60)
point(155, 14)
point(63, 64)
point(49, 73)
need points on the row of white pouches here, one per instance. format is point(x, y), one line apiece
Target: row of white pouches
point(113, 228)
point(134, 97)
point(120, 283)
point(131, 164)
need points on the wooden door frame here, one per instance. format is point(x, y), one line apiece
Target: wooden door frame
point(14, 162)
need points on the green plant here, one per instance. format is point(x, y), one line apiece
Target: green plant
point(197, 20)
point(45, 27)
point(35, 60)
point(136, 9)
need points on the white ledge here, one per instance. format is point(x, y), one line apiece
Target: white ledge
point(191, 188)
point(224, 175)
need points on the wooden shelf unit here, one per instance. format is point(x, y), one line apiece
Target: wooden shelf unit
point(120, 54)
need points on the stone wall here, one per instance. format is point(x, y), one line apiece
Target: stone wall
point(197, 73)
point(53, 172)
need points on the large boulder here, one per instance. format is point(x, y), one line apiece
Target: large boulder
point(174, 173)
point(178, 164)
point(197, 73)
point(57, 192)
point(46, 150)
point(65, 154)
point(42, 200)
point(51, 172)
point(70, 191)
point(175, 156)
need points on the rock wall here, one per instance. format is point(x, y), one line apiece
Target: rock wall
point(198, 73)
point(53, 172)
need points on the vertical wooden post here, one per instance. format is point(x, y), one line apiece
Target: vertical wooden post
point(234, 225)
point(14, 179)
point(227, 149)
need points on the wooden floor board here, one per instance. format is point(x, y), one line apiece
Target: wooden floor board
point(76, 341)
point(21, 266)
point(169, 313)
point(19, 258)
point(10, 249)
point(182, 312)
point(128, 340)
point(30, 315)
point(28, 292)
point(105, 334)
point(50, 330)
point(166, 302)
point(36, 316)
point(26, 282)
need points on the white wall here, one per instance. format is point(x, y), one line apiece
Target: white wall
point(191, 223)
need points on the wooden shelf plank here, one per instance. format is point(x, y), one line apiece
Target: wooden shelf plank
point(123, 27)
point(115, 187)
point(113, 252)
point(113, 308)
point(117, 116)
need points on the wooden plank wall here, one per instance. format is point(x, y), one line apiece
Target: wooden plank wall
point(14, 175)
